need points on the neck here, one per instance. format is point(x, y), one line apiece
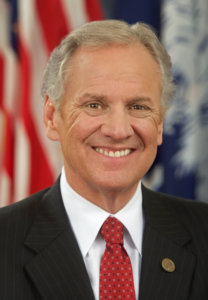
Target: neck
point(110, 199)
point(113, 201)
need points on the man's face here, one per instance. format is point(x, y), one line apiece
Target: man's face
point(109, 124)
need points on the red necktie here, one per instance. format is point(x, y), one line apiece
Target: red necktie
point(116, 278)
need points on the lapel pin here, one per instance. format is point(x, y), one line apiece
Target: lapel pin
point(168, 265)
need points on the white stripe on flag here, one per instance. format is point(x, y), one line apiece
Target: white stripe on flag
point(22, 162)
point(76, 14)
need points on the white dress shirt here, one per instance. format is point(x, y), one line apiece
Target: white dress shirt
point(86, 220)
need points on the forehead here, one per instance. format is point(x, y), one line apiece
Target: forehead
point(93, 50)
point(113, 58)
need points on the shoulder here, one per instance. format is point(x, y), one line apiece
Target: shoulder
point(181, 203)
point(170, 200)
point(24, 204)
point(20, 213)
point(190, 212)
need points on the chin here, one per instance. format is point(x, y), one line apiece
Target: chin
point(117, 185)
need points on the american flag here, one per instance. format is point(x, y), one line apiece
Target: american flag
point(29, 30)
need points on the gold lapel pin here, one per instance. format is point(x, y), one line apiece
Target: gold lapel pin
point(168, 265)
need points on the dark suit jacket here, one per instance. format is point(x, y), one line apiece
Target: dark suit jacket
point(40, 258)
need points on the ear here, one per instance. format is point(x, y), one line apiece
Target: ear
point(51, 119)
point(160, 133)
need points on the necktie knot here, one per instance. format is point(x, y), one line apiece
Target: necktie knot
point(112, 231)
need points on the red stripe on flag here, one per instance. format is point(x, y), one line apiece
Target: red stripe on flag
point(1, 111)
point(1, 79)
point(94, 10)
point(7, 146)
point(41, 174)
point(53, 22)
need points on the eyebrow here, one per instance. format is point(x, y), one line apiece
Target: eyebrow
point(139, 99)
point(93, 96)
point(97, 97)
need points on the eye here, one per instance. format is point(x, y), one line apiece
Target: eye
point(139, 110)
point(94, 105)
point(95, 108)
point(138, 107)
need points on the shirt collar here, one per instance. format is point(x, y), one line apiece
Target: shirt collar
point(86, 218)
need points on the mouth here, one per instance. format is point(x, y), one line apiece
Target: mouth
point(114, 153)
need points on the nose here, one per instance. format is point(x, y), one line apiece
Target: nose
point(117, 125)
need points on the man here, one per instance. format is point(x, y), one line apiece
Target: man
point(106, 89)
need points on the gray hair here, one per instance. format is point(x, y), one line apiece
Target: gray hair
point(99, 34)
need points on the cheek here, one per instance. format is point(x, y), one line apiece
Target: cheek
point(71, 119)
point(148, 131)
point(83, 126)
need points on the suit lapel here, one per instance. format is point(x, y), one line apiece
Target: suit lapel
point(164, 237)
point(57, 268)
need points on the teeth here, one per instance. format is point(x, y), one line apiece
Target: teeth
point(127, 151)
point(113, 154)
point(117, 154)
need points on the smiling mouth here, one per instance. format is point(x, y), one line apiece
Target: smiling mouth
point(114, 153)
